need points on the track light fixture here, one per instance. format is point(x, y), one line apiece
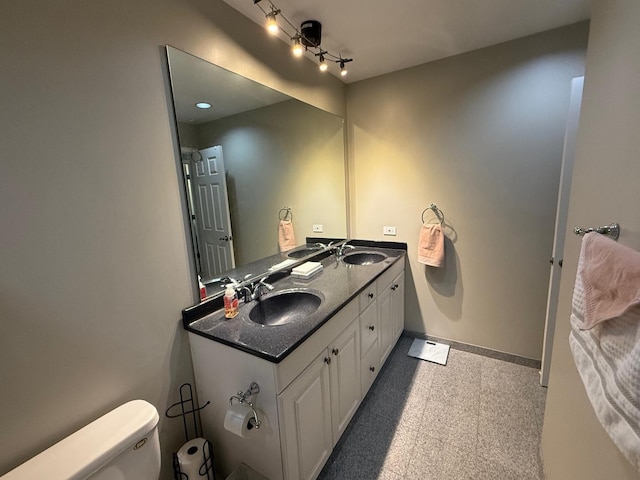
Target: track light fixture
point(304, 39)
point(343, 69)
point(296, 48)
point(323, 63)
point(272, 22)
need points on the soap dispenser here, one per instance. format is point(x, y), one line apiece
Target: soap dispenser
point(230, 302)
point(202, 288)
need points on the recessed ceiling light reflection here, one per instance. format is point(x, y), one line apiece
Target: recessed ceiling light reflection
point(203, 105)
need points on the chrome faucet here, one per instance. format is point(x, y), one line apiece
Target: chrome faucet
point(258, 288)
point(254, 290)
point(322, 245)
point(342, 248)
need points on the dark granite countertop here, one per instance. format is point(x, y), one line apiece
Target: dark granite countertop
point(337, 284)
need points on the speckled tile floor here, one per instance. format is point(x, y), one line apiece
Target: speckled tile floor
point(476, 418)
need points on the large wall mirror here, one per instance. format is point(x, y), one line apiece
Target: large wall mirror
point(252, 153)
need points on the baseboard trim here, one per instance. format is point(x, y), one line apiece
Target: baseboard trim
point(486, 352)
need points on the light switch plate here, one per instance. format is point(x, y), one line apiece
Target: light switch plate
point(388, 230)
point(317, 228)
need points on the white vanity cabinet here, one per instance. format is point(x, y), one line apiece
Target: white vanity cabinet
point(381, 321)
point(305, 421)
point(390, 310)
point(307, 400)
point(397, 304)
point(318, 405)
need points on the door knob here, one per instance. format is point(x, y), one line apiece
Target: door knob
point(226, 238)
point(371, 295)
point(327, 360)
point(373, 369)
point(372, 327)
point(335, 351)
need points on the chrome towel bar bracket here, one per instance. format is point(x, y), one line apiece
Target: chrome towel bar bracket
point(611, 231)
point(439, 213)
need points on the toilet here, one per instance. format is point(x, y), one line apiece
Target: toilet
point(121, 445)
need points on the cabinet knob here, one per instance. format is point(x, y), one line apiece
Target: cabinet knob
point(372, 368)
point(327, 360)
point(372, 327)
point(335, 351)
point(371, 295)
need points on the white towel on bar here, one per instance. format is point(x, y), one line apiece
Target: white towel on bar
point(608, 360)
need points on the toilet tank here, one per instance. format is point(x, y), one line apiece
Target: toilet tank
point(121, 445)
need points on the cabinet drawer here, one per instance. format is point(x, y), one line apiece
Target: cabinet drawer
point(387, 277)
point(368, 329)
point(369, 367)
point(367, 296)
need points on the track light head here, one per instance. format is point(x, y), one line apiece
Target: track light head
point(323, 64)
point(297, 49)
point(272, 23)
point(343, 69)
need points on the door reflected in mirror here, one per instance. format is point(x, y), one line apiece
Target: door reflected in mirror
point(253, 152)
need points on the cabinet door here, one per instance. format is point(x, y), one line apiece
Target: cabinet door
point(344, 372)
point(305, 421)
point(397, 304)
point(368, 329)
point(386, 334)
point(369, 367)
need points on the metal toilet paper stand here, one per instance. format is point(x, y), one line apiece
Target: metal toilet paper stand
point(243, 397)
point(188, 409)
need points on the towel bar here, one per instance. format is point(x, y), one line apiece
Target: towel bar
point(287, 213)
point(439, 213)
point(611, 231)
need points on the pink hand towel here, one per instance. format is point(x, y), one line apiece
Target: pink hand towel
point(431, 245)
point(611, 277)
point(286, 237)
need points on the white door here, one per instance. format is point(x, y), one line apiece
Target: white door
point(211, 206)
point(561, 223)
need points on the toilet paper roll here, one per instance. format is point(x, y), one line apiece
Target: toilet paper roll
point(239, 420)
point(191, 457)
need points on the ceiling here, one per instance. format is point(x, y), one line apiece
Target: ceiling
point(383, 36)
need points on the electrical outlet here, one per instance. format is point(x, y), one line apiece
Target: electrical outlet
point(317, 228)
point(389, 230)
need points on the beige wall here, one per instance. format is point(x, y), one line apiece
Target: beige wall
point(481, 135)
point(95, 263)
point(287, 154)
point(604, 189)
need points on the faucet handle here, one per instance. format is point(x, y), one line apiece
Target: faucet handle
point(263, 282)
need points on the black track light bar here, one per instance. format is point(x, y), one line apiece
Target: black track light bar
point(309, 44)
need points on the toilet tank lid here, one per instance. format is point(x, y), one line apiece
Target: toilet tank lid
point(85, 451)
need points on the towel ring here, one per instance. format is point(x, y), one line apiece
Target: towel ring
point(287, 213)
point(439, 213)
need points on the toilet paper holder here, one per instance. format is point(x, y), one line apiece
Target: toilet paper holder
point(243, 397)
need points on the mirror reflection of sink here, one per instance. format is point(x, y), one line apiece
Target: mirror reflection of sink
point(283, 308)
point(363, 258)
point(303, 252)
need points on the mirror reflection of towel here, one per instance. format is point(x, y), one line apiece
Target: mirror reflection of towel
point(286, 237)
point(431, 245)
